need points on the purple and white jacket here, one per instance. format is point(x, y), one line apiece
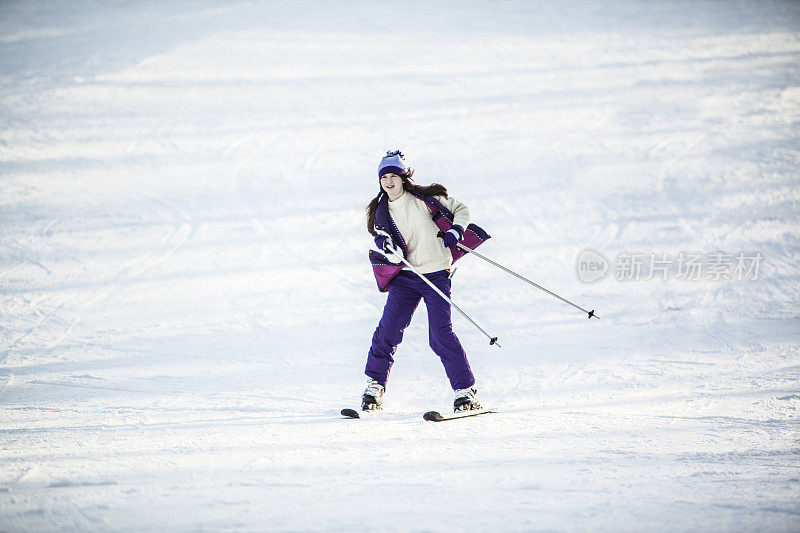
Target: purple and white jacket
point(385, 270)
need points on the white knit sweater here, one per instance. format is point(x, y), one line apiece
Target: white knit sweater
point(413, 219)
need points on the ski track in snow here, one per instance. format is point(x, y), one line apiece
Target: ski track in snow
point(187, 302)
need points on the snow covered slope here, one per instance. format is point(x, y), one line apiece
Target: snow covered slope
point(187, 302)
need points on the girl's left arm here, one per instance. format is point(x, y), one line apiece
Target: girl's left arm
point(460, 211)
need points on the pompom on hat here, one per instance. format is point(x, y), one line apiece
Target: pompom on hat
point(393, 163)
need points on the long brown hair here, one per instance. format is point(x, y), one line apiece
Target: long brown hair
point(434, 189)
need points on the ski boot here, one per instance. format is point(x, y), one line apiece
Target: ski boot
point(373, 396)
point(466, 400)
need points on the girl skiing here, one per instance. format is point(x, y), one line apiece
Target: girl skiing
point(422, 225)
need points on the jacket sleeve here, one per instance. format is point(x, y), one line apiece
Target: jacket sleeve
point(460, 211)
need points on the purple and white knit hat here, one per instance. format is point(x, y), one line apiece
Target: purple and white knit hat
point(393, 163)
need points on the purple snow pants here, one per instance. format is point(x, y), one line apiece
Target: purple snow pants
point(405, 292)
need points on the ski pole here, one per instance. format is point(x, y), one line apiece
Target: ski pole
point(498, 265)
point(492, 340)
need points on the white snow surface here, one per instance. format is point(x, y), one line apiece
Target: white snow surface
point(187, 302)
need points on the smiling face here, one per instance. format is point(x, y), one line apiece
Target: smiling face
point(393, 185)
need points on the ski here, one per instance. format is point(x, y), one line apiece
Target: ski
point(353, 413)
point(433, 416)
point(436, 416)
